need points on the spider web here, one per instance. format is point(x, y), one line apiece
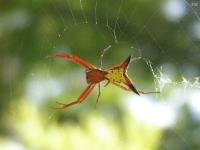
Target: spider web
point(117, 32)
point(111, 31)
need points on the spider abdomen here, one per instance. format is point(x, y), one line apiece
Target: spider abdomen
point(115, 75)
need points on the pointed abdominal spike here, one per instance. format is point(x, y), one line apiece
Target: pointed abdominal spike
point(131, 86)
point(126, 62)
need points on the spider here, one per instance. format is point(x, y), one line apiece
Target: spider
point(116, 75)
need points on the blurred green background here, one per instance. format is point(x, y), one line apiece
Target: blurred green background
point(166, 34)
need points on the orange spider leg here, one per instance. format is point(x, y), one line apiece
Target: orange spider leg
point(75, 59)
point(80, 99)
point(87, 92)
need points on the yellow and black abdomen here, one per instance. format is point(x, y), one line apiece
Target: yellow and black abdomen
point(115, 75)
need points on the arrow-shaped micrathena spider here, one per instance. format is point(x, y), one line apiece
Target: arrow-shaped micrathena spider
point(116, 75)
